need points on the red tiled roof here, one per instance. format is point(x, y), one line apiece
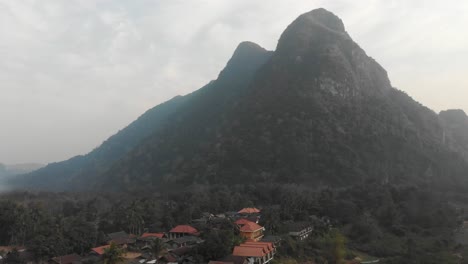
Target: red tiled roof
point(250, 227)
point(263, 247)
point(186, 229)
point(249, 211)
point(248, 252)
point(268, 245)
point(100, 250)
point(242, 221)
point(158, 235)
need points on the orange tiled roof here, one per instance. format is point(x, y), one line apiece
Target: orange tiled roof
point(158, 235)
point(263, 247)
point(242, 221)
point(250, 227)
point(100, 250)
point(249, 210)
point(184, 229)
point(248, 252)
point(268, 245)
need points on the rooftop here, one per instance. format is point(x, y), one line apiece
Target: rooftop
point(249, 210)
point(158, 235)
point(248, 252)
point(186, 229)
point(251, 227)
point(100, 250)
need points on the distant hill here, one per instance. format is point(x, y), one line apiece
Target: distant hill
point(16, 169)
point(60, 175)
point(316, 111)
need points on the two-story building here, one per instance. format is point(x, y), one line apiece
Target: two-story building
point(255, 252)
point(251, 231)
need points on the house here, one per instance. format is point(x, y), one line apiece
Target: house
point(251, 231)
point(67, 259)
point(241, 222)
point(270, 247)
point(121, 239)
point(254, 254)
point(184, 241)
point(99, 250)
point(299, 230)
point(144, 241)
point(183, 254)
point(249, 211)
point(183, 230)
point(153, 235)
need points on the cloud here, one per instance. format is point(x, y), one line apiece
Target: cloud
point(74, 72)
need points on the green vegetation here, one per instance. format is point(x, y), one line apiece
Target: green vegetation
point(392, 223)
point(113, 254)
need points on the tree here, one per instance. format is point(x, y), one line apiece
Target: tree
point(338, 247)
point(13, 257)
point(113, 254)
point(81, 234)
point(157, 247)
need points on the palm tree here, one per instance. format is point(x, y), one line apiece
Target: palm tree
point(157, 247)
point(113, 254)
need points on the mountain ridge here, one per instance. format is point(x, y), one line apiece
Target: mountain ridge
point(317, 111)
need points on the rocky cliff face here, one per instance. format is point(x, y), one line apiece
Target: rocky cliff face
point(455, 136)
point(319, 112)
point(316, 111)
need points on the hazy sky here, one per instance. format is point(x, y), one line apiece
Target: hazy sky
point(74, 72)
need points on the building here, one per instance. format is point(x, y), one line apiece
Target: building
point(184, 241)
point(183, 230)
point(268, 245)
point(121, 239)
point(241, 222)
point(99, 250)
point(251, 231)
point(153, 235)
point(299, 230)
point(256, 253)
point(145, 240)
point(249, 211)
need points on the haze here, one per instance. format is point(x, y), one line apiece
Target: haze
point(72, 73)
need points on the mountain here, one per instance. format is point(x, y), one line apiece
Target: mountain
point(81, 171)
point(15, 169)
point(316, 111)
point(456, 130)
point(60, 175)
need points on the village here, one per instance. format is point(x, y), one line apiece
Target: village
point(177, 244)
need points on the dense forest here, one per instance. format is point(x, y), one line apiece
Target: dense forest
point(399, 224)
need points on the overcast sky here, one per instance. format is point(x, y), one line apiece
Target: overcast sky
point(74, 72)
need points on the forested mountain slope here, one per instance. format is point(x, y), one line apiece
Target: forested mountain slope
point(316, 111)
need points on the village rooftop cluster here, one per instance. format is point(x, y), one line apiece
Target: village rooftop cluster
point(177, 243)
